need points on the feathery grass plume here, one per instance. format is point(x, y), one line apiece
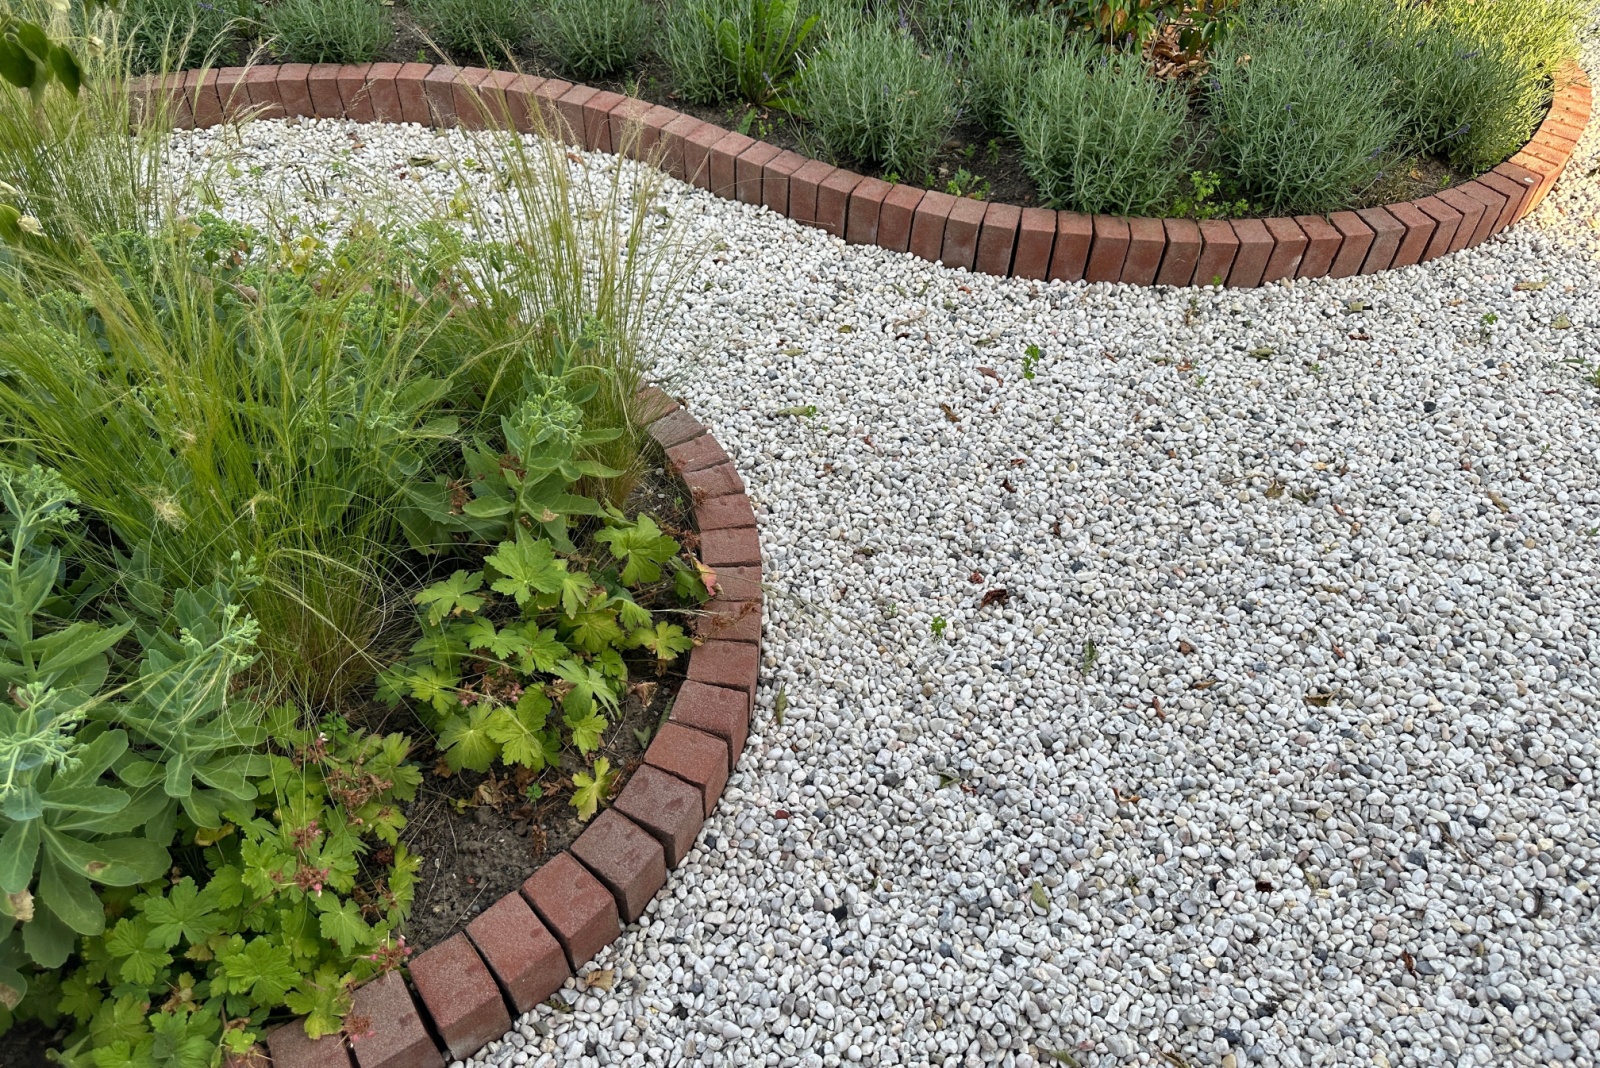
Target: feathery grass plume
point(69, 162)
point(580, 266)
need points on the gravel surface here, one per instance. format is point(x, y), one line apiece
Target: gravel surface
point(1214, 687)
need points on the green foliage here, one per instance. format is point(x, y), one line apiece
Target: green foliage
point(701, 73)
point(272, 411)
point(170, 35)
point(1003, 48)
point(593, 38)
point(764, 44)
point(475, 30)
point(1129, 26)
point(874, 97)
point(1100, 135)
point(285, 913)
point(1299, 123)
point(32, 59)
point(329, 31)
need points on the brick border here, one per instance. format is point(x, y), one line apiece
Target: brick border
point(995, 239)
point(465, 992)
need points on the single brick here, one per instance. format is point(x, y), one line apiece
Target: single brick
point(698, 758)
point(1355, 238)
point(961, 233)
point(461, 997)
point(697, 153)
point(524, 956)
point(712, 482)
point(502, 109)
point(472, 108)
point(723, 157)
point(833, 201)
point(715, 710)
point(440, 89)
point(410, 87)
point(675, 428)
point(569, 107)
point(1255, 249)
point(367, 92)
point(1074, 236)
point(261, 83)
point(1322, 245)
point(1510, 194)
point(1538, 163)
point(1523, 179)
point(1109, 251)
point(575, 906)
point(655, 120)
point(597, 132)
point(730, 547)
point(731, 621)
point(997, 239)
point(1036, 239)
point(928, 222)
point(667, 807)
point(290, 1048)
point(232, 91)
point(626, 857)
point(775, 179)
point(1288, 249)
point(672, 135)
point(739, 583)
point(1447, 221)
point(1472, 212)
point(696, 453)
point(204, 103)
point(803, 189)
point(293, 91)
point(896, 216)
point(1147, 240)
point(725, 513)
point(864, 211)
point(1183, 252)
point(749, 170)
point(1419, 231)
point(387, 1028)
point(1387, 235)
point(731, 664)
point(1219, 247)
point(322, 82)
point(546, 101)
point(651, 404)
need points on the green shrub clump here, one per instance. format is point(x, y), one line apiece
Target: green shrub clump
point(474, 30)
point(593, 38)
point(701, 74)
point(1003, 50)
point(330, 31)
point(1100, 135)
point(180, 34)
point(876, 97)
point(1299, 124)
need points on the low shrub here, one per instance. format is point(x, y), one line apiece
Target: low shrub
point(593, 38)
point(701, 74)
point(329, 31)
point(180, 34)
point(876, 97)
point(1098, 134)
point(765, 43)
point(1003, 49)
point(475, 30)
point(1298, 123)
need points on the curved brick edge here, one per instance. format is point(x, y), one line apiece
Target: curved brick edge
point(464, 992)
point(997, 239)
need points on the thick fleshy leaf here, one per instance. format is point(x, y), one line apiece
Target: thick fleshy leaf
point(70, 897)
point(47, 940)
point(19, 851)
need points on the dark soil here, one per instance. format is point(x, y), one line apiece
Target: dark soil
point(25, 1045)
point(479, 836)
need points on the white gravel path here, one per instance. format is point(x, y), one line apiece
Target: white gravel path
point(1323, 792)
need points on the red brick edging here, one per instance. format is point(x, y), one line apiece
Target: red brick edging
point(997, 239)
point(465, 991)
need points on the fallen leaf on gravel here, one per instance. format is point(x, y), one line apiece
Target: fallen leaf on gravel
point(1185, 648)
point(1275, 490)
point(1204, 684)
point(1262, 353)
point(1319, 700)
point(1562, 322)
point(803, 410)
point(1530, 287)
point(998, 595)
point(1040, 897)
point(1499, 501)
point(975, 578)
point(604, 978)
point(949, 413)
point(1351, 307)
point(990, 372)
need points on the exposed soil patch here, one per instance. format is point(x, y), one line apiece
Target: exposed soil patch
point(26, 1045)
